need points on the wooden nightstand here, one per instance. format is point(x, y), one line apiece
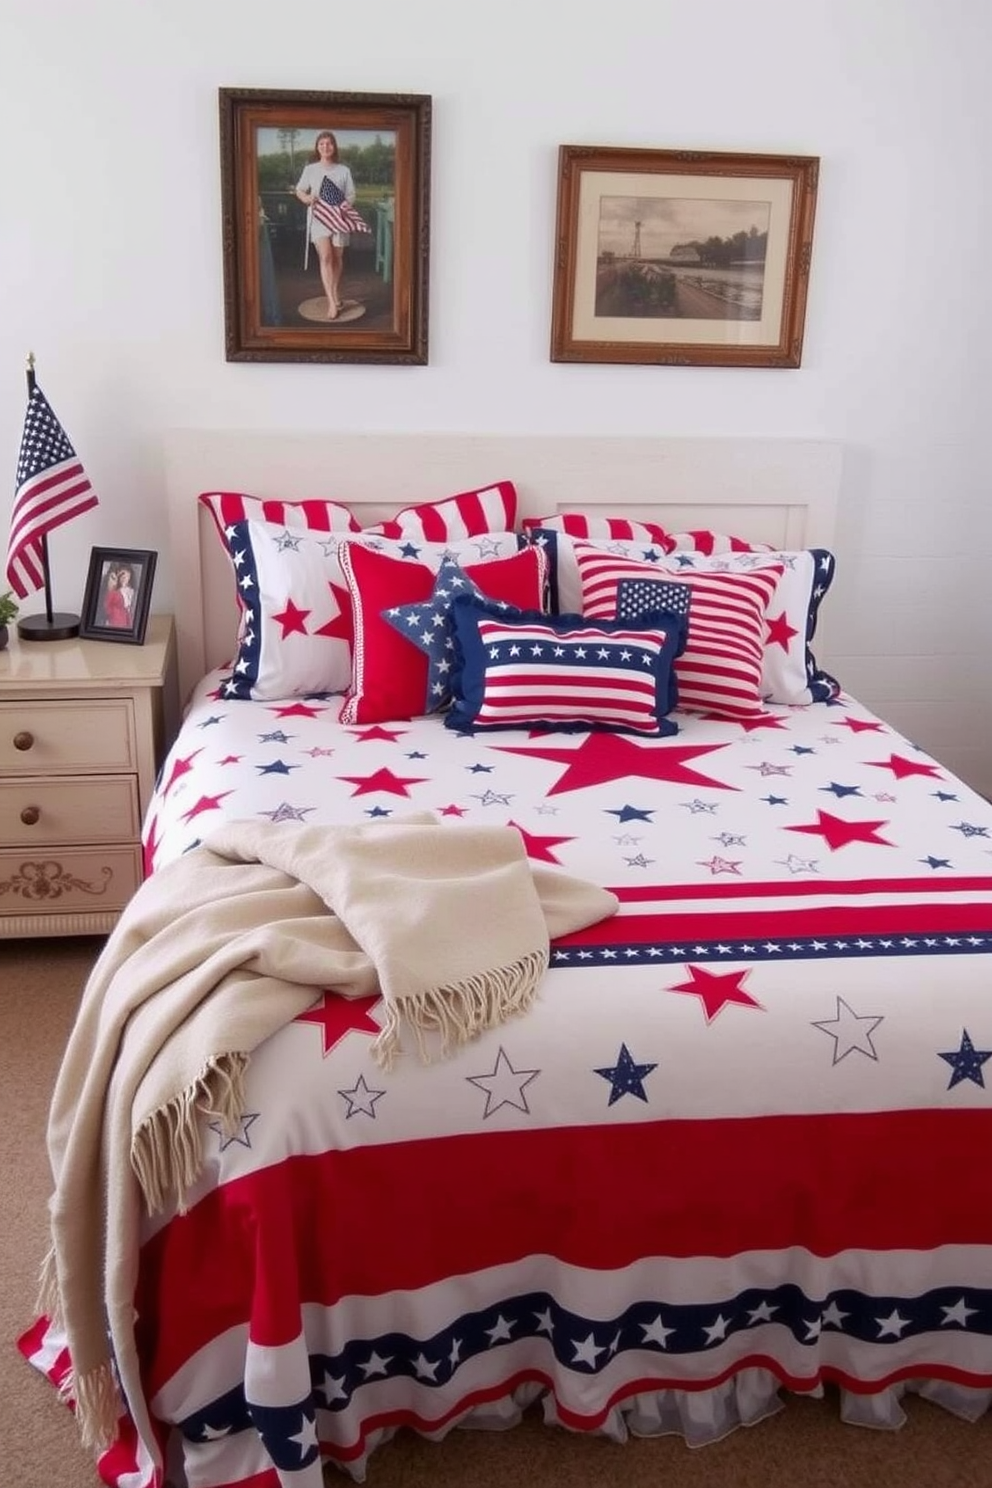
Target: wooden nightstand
point(83, 729)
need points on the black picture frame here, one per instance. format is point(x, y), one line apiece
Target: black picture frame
point(100, 620)
point(275, 303)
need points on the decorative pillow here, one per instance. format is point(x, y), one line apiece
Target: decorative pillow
point(488, 509)
point(391, 674)
point(296, 624)
point(228, 507)
point(702, 540)
point(564, 585)
point(637, 598)
point(428, 624)
point(524, 669)
point(577, 524)
point(719, 672)
point(789, 672)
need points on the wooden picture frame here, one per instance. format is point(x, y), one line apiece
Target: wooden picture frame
point(115, 607)
point(682, 258)
point(276, 292)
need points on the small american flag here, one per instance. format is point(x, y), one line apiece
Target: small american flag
point(336, 213)
point(51, 487)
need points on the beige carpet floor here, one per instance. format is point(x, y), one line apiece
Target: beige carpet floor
point(805, 1446)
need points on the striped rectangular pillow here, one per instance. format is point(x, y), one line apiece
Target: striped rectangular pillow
point(525, 669)
point(719, 672)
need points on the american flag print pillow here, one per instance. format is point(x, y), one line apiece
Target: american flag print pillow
point(719, 672)
point(527, 669)
point(790, 672)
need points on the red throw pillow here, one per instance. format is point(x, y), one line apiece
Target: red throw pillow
point(389, 673)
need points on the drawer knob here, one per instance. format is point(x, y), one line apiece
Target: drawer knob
point(30, 815)
point(24, 740)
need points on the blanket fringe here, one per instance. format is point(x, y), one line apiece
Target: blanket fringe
point(459, 1011)
point(167, 1150)
point(98, 1405)
point(49, 1303)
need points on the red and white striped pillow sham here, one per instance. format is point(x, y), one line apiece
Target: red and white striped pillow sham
point(623, 529)
point(469, 514)
point(316, 515)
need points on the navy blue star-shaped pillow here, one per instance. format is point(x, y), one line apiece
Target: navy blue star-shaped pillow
point(428, 626)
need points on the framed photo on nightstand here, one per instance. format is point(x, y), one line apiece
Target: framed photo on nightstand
point(118, 595)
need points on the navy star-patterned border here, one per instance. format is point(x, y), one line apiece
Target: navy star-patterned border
point(795, 948)
point(587, 1345)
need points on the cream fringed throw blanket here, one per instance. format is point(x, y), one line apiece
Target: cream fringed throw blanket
point(216, 952)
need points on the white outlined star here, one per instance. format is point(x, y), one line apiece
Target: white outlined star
point(504, 1086)
point(361, 1100)
point(850, 1032)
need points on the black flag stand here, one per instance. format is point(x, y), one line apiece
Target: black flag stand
point(50, 626)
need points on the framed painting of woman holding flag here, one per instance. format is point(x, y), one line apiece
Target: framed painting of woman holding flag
point(326, 220)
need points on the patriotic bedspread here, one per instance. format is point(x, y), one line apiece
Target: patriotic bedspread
point(739, 1143)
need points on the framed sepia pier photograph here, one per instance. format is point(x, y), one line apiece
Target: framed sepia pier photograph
point(682, 258)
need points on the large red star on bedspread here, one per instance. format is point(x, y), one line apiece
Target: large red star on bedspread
point(180, 767)
point(205, 803)
point(859, 725)
point(901, 768)
point(602, 757)
point(340, 628)
point(362, 736)
point(335, 1016)
point(716, 990)
point(540, 848)
point(383, 780)
point(151, 846)
point(297, 710)
point(837, 832)
point(760, 720)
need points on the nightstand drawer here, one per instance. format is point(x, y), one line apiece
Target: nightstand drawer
point(39, 738)
point(95, 808)
point(93, 880)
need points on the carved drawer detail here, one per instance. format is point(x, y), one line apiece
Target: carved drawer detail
point(84, 878)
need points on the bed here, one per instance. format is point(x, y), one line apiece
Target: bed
point(734, 1146)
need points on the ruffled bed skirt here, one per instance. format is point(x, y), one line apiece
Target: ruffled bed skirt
point(702, 1417)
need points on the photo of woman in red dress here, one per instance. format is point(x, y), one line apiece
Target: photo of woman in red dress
point(114, 611)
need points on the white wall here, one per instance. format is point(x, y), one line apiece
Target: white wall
point(111, 264)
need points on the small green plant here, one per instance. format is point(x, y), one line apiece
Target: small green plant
point(8, 608)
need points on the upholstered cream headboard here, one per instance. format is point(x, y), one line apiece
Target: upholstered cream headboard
point(780, 491)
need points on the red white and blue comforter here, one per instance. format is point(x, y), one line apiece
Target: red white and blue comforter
point(740, 1142)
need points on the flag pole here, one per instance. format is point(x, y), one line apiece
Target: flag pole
point(45, 570)
point(50, 626)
